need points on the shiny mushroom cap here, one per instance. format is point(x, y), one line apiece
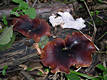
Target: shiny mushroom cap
point(31, 28)
point(61, 54)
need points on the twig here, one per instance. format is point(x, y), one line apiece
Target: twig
point(61, 76)
point(26, 75)
point(89, 40)
point(101, 52)
point(55, 76)
point(105, 2)
point(26, 49)
point(95, 29)
point(102, 36)
point(89, 23)
point(101, 18)
point(99, 6)
point(78, 69)
point(104, 63)
point(34, 3)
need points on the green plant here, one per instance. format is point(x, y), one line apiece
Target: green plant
point(4, 70)
point(29, 69)
point(43, 41)
point(0, 79)
point(5, 20)
point(8, 45)
point(39, 73)
point(47, 70)
point(96, 12)
point(76, 75)
point(100, 1)
point(92, 13)
point(103, 75)
point(7, 37)
point(82, 0)
point(23, 9)
point(72, 76)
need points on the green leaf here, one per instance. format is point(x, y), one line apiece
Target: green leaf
point(4, 70)
point(82, 0)
point(46, 70)
point(5, 67)
point(0, 79)
point(97, 12)
point(23, 5)
point(96, 78)
point(31, 12)
point(29, 69)
point(14, 13)
point(15, 9)
point(100, 1)
point(43, 41)
point(17, 1)
point(6, 36)
point(4, 20)
point(105, 75)
point(39, 73)
point(6, 46)
point(92, 13)
point(81, 74)
point(101, 67)
point(72, 76)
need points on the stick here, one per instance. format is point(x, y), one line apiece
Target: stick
point(34, 3)
point(95, 29)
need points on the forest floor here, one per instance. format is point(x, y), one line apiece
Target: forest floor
point(22, 60)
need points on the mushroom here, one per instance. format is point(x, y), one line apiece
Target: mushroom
point(66, 20)
point(61, 54)
point(31, 28)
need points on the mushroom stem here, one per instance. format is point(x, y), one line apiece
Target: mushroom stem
point(37, 48)
point(78, 69)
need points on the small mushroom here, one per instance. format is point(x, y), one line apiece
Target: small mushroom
point(61, 54)
point(31, 28)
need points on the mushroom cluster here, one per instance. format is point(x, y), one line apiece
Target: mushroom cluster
point(31, 28)
point(61, 54)
point(58, 54)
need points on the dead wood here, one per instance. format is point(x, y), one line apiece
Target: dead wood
point(42, 9)
point(99, 6)
point(16, 55)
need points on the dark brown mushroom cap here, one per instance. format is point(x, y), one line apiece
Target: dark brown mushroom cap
point(34, 29)
point(61, 54)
